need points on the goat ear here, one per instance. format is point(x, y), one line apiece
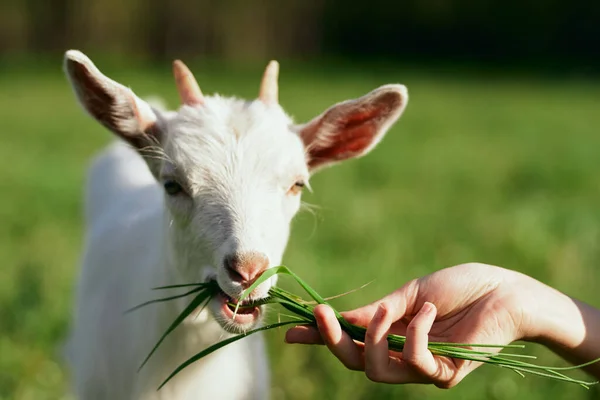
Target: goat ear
point(110, 103)
point(352, 128)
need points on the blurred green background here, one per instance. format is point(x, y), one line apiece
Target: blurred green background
point(495, 160)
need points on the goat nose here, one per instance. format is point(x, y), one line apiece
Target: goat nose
point(245, 267)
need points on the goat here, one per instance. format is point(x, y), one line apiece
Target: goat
point(205, 192)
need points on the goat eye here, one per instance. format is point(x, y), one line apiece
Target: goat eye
point(297, 188)
point(173, 188)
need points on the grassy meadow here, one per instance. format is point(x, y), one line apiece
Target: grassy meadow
point(491, 168)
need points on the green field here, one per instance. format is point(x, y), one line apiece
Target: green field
point(496, 169)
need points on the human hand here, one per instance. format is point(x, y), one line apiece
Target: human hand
point(470, 303)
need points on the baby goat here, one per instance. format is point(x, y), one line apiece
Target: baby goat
point(205, 192)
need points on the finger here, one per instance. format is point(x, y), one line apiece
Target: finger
point(417, 355)
point(379, 366)
point(303, 334)
point(338, 341)
point(363, 315)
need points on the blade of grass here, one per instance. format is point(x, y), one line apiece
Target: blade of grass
point(337, 296)
point(163, 299)
point(221, 344)
point(203, 284)
point(201, 299)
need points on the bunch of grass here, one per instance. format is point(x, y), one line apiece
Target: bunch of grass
point(303, 315)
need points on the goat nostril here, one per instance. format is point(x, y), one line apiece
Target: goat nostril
point(234, 275)
point(231, 265)
point(245, 268)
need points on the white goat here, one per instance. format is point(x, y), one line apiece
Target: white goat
point(206, 192)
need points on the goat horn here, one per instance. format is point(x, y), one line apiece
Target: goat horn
point(268, 87)
point(188, 88)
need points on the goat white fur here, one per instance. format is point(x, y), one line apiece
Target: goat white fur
point(183, 191)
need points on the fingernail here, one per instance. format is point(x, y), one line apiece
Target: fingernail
point(427, 308)
point(381, 311)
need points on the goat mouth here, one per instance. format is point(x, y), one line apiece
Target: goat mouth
point(247, 312)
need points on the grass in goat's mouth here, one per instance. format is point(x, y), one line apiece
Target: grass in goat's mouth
point(246, 307)
point(242, 309)
point(303, 315)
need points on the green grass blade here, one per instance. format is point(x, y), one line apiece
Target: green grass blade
point(163, 299)
point(493, 346)
point(563, 378)
point(337, 296)
point(572, 367)
point(204, 284)
point(202, 297)
point(221, 344)
point(516, 355)
point(522, 375)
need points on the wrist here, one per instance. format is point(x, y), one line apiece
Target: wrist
point(554, 319)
